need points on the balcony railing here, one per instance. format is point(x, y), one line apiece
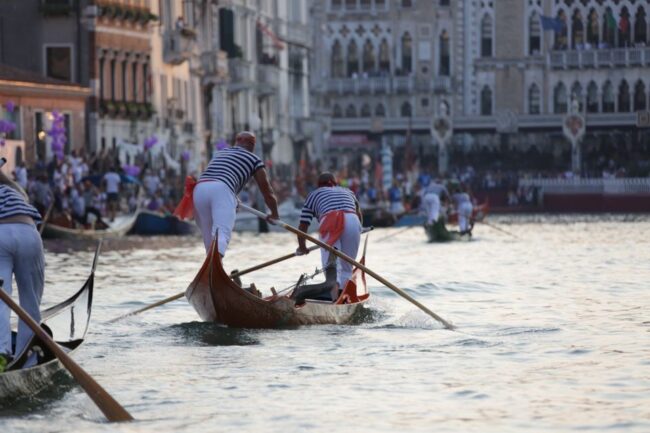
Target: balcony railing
point(215, 65)
point(388, 85)
point(600, 58)
point(177, 47)
point(268, 79)
point(240, 74)
point(298, 34)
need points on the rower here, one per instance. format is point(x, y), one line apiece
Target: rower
point(431, 195)
point(463, 203)
point(21, 254)
point(213, 199)
point(339, 214)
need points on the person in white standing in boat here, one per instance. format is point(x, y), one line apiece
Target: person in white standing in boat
point(464, 207)
point(112, 181)
point(21, 254)
point(339, 214)
point(213, 198)
point(431, 195)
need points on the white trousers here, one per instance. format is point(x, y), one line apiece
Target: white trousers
point(21, 254)
point(348, 244)
point(431, 203)
point(215, 208)
point(464, 215)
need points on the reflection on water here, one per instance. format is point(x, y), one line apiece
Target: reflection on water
point(552, 336)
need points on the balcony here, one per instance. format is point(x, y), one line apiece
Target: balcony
point(443, 85)
point(298, 34)
point(215, 66)
point(387, 85)
point(177, 46)
point(240, 75)
point(600, 58)
point(268, 79)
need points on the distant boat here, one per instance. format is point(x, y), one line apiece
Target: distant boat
point(150, 223)
point(61, 227)
point(416, 219)
point(289, 213)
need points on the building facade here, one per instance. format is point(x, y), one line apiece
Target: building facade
point(477, 77)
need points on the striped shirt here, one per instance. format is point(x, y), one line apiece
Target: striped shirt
point(12, 203)
point(326, 199)
point(233, 166)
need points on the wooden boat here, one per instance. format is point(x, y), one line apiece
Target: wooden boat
point(438, 233)
point(68, 323)
point(63, 228)
point(156, 223)
point(217, 298)
point(478, 214)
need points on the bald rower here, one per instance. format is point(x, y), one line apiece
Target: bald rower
point(213, 199)
point(339, 215)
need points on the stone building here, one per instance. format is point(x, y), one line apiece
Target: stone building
point(387, 71)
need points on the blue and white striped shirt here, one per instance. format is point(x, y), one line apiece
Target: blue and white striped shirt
point(12, 203)
point(233, 166)
point(327, 199)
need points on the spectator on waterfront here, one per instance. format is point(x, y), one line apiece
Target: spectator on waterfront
point(21, 175)
point(112, 183)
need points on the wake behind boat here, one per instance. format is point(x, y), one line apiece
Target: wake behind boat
point(217, 298)
point(67, 322)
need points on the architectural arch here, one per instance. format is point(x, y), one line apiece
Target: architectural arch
point(366, 111)
point(608, 97)
point(368, 56)
point(640, 26)
point(560, 99)
point(384, 56)
point(534, 34)
point(577, 30)
point(624, 104)
point(337, 111)
point(351, 111)
point(640, 96)
point(337, 67)
point(444, 49)
point(407, 53)
point(406, 110)
point(486, 36)
point(353, 58)
point(380, 110)
point(592, 97)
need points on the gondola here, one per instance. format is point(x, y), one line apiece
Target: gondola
point(67, 322)
point(478, 214)
point(63, 228)
point(155, 223)
point(438, 233)
point(217, 298)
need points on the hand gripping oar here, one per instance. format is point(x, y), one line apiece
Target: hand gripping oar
point(348, 259)
point(181, 294)
point(113, 411)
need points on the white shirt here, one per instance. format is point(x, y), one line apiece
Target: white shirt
point(112, 180)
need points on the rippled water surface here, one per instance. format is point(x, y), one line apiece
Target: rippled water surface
point(553, 335)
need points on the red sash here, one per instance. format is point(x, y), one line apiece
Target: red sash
point(185, 209)
point(332, 225)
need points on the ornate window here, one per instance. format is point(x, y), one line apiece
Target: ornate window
point(486, 101)
point(365, 111)
point(609, 28)
point(337, 60)
point(368, 57)
point(534, 97)
point(561, 42)
point(560, 99)
point(486, 36)
point(624, 29)
point(593, 28)
point(405, 110)
point(640, 27)
point(624, 97)
point(534, 35)
point(608, 97)
point(445, 54)
point(639, 96)
point(407, 53)
point(380, 111)
point(353, 59)
point(384, 56)
point(337, 111)
point(576, 92)
point(351, 111)
point(592, 98)
point(577, 30)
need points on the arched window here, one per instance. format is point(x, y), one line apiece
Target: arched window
point(486, 101)
point(407, 53)
point(384, 56)
point(609, 28)
point(560, 99)
point(445, 54)
point(337, 60)
point(592, 98)
point(405, 110)
point(486, 36)
point(608, 97)
point(337, 111)
point(624, 29)
point(351, 111)
point(576, 92)
point(639, 96)
point(640, 27)
point(353, 59)
point(534, 35)
point(593, 28)
point(534, 103)
point(365, 110)
point(577, 30)
point(561, 42)
point(368, 57)
point(380, 111)
point(624, 97)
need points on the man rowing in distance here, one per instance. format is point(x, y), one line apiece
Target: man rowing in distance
point(213, 199)
point(339, 214)
point(431, 195)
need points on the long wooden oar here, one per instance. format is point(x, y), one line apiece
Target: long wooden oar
point(113, 411)
point(499, 229)
point(46, 218)
point(348, 259)
point(236, 274)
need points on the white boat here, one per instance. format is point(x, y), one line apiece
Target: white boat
point(289, 213)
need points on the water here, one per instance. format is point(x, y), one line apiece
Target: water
point(553, 335)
